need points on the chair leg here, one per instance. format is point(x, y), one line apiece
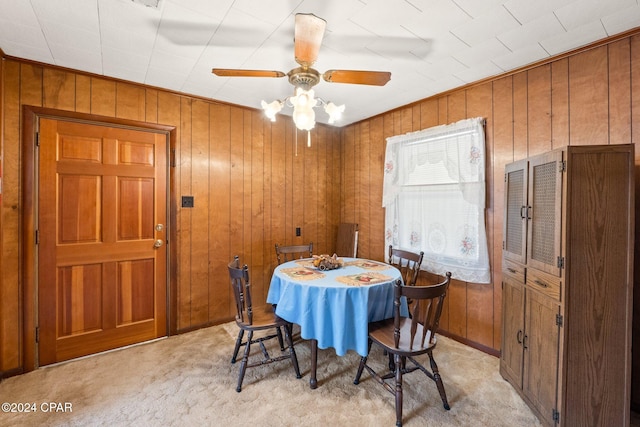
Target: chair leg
point(363, 362)
point(292, 351)
point(438, 379)
point(392, 365)
point(398, 362)
point(245, 361)
point(237, 348)
point(280, 341)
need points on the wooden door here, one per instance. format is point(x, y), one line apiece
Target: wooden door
point(101, 224)
point(511, 356)
point(541, 348)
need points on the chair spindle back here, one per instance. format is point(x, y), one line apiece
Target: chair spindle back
point(291, 252)
point(425, 313)
point(241, 286)
point(407, 262)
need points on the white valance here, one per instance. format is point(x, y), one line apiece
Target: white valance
point(434, 195)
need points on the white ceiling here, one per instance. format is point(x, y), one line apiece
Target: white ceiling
point(429, 46)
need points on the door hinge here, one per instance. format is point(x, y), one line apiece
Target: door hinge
point(559, 319)
point(37, 139)
point(560, 262)
point(37, 334)
point(555, 415)
point(37, 237)
point(172, 160)
point(562, 166)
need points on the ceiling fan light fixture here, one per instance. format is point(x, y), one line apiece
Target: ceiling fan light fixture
point(272, 108)
point(308, 33)
point(334, 111)
point(303, 103)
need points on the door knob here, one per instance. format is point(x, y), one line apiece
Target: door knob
point(158, 243)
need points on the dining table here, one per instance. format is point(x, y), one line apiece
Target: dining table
point(334, 307)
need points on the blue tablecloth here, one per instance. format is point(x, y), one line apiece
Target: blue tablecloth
point(335, 307)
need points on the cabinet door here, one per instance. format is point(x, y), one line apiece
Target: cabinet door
point(515, 223)
point(544, 212)
point(541, 347)
point(511, 355)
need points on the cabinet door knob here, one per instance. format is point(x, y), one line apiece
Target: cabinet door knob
point(519, 336)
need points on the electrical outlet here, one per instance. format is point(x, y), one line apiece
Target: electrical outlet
point(187, 201)
point(298, 231)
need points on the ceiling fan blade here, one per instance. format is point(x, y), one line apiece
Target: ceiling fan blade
point(231, 72)
point(374, 78)
point(309, 32)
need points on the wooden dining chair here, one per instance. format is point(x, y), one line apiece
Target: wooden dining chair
point(409, 265)
point(347, 240)
point(253, 319)
point(407, 262)
point(408, 337)
point(291, 252)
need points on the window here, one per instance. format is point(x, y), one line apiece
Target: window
point(434, 195)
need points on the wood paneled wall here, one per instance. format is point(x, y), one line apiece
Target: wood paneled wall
point(251, 189)
point(250, 184)
point(591, 97)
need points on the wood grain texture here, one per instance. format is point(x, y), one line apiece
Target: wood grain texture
point(376, 216)
point(620, 92)
point(83, 94)
point(560, 103)
point(589, 98)
point(130, 101)
point(502, 154)
point(220, 297)
point(59, 89)
point(520, 116)
point(31, 82)
point(103, 97)
point(184, 300)
point(539, 109)
point(200, 218)
point(635, 136)
point(10, 331)
point(364, 191)
point(605, 76)
point(480, 328)
point(168, 112)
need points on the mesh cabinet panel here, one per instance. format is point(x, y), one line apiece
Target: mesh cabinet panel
point(543, 217)
point(515, 202)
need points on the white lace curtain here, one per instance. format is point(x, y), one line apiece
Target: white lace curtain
point(434, 195)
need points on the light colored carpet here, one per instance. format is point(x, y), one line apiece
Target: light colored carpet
point(188, 380)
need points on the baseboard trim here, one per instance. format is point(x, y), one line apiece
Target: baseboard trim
point(472, 344)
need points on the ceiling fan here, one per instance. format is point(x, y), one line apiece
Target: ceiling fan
point(309, 31)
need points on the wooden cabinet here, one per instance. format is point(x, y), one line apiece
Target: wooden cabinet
point(567, 283)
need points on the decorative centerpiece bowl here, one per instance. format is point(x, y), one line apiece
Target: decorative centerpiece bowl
point(326, 262)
